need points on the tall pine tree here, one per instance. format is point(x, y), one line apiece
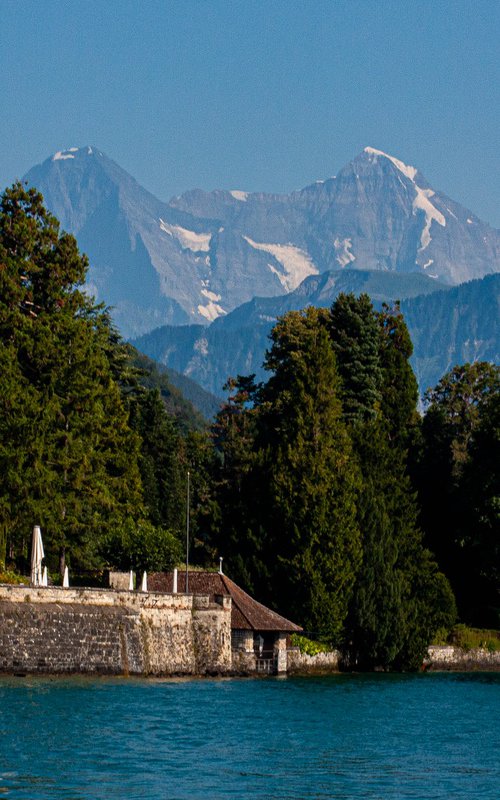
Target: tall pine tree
point(310, 477)
point(455, 466)
point(68, 458)
point(390, 617)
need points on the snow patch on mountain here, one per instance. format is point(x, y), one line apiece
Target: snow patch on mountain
point(212, 309)
point(423, 203)
point(201, 346)
point(410, 172)
point(61, 155)
point(422, 198)
point(342, 248)
point(297, 264)
point(189, 240)
point(239, 195)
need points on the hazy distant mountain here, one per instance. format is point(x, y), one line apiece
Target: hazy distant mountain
point(184, 399)
point(140, 264)
point(447, 327)
point(453, 327)
point(197, 258)
point(377, 213)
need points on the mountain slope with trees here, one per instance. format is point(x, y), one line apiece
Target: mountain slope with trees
point(448, 327)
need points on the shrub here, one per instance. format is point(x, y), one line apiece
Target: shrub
point(308, 646)
point(141, 546)
point(475, 638)
point(8, 576)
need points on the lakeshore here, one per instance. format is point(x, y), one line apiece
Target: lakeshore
point(117, 632)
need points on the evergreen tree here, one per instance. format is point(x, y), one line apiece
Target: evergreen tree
point(400, 598)
point(162, 461)
point(354, 334)
point(451, 460)
point(376, 621)
point(310, 478)
point(390, 619)
point(235, 533)
point(68, 458)
point(398, 386)
point(479, 526)
point(204, 511)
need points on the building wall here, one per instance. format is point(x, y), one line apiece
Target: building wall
point(243, 655)
point(114, 632)
point(245, 659)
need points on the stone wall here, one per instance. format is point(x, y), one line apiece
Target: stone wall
point(455, 659)
point(115, 632)
point(303, 664)
point(121, 580)
point(448, 658)
point(243, 654)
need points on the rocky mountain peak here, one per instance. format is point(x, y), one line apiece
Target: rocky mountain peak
point(72, 153)
point(201, 255)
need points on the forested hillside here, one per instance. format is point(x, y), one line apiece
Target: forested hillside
point(329, 496)
point(447, 326)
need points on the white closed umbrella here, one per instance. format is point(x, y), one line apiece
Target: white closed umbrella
point(37, 555)
point(131, 582)
point(66, 578)
point(45, 577)
point(144, 585)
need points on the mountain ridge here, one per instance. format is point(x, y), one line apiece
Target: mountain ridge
point(199, 256)
point(447, 327)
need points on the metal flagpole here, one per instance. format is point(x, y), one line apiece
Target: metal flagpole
point(187, 536)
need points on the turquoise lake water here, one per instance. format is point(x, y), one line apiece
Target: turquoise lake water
point(342, 736)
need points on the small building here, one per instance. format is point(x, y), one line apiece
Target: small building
point(258, 634)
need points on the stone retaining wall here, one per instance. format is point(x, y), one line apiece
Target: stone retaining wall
point(457, 660)
point(448, 658)
point(56, 630)
point(301, 663)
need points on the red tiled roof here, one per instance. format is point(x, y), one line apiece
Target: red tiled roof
point(246, 614)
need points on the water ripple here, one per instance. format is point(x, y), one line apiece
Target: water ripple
point(378, 737)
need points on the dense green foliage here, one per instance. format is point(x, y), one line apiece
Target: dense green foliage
point(457, 474)
point(308, 646)
point(317, 512)
point(474, 638)
point(311, 479)
point(355, 337)
point(322, 487)
point(399, 597)
point(141, 546)
point(70, 459)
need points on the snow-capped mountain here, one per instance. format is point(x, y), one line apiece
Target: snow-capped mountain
point(201, 255)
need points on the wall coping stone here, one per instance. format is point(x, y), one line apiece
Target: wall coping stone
point(107, 597)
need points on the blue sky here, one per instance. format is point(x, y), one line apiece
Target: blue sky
point(256, 95)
